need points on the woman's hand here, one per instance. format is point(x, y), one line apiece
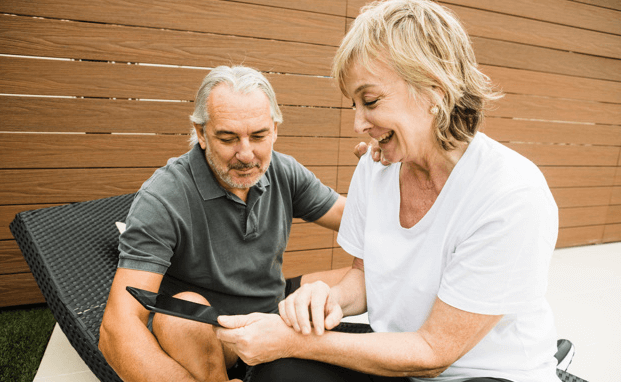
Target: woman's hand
point(314, 303)
point(256, 338)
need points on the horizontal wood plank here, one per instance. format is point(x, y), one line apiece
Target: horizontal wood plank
point(524, 130)
point(615, 197)
point(97, 79)
point(30, 36)
point(19, 289)
point(556, 109)
point(507, 129)
point(341, 259)
point(11, 259)
point(582, 216)
point(612, 233)
point(562, 12)
point(332, 7)
point(610, 4)
point(28, 189)
point(222, 17)
point(41, 114)
point(574, 236)
point(570, 176)
point(531, 82)
point(307, 236)
point(528, 31)
point(613, 215)
point(540, 154)
point(110, 150)
point(567, 155)
point(519, 56)
point(582, 196)
point(298, 263)
point(7, 214)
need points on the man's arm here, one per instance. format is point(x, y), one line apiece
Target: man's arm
point(126, 342)
point(446, 336)
point(332, 218)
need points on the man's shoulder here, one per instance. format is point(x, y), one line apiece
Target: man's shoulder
point(284, 165)
point(169, 179)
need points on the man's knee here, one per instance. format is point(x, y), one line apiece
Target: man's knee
point(167, 325)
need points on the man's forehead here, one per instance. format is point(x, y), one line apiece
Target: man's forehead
point(223, 97)
point(230, 111)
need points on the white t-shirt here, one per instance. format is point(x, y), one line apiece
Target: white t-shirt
point(483, 247)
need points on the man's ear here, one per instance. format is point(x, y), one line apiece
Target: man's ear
point(275, 132)
point(200, 135)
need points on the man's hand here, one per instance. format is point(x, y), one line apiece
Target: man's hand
point(316, 298)
point(376, 153)
point(257, 337)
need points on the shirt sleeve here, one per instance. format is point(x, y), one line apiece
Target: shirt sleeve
point(351, 232)
point(311, 198)
point(149, 239)
point(501, 266)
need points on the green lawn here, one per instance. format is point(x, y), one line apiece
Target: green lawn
point(24, 334)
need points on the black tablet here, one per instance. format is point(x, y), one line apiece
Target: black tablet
point(161, 303)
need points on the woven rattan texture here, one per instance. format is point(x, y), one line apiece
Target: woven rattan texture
point(72, 253)
point(566, 377)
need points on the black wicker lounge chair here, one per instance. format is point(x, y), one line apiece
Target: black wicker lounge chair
point(72, 253)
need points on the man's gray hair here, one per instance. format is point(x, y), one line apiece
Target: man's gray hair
point(241, 79)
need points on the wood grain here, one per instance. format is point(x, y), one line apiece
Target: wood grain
point(301, 262)
point(7, 214)
point(540, 154)
point(11, 259)
point(19, 289)
point(527, 31)
point(39, 186)
point(93, 41)
point(222, 17)
point(90, 115)
point(97, 79)
point(574, 236)
point(20, 151)
point(612, 233)
point(562, 12)
point(307, 236)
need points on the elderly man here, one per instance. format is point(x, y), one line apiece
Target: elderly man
point(211, 227)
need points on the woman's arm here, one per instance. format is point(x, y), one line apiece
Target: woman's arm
point(448, 334)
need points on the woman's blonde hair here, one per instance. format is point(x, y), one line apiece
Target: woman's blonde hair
point(428, 47)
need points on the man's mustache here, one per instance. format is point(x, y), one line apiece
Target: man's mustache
point(243, 166)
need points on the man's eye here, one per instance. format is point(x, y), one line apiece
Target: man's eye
point(227, 140)
point(370, 103)
point(258, 137)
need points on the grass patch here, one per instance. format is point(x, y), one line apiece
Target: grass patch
point(24, 334)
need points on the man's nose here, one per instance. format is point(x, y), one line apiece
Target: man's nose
point(361, 123)
point(245, 151)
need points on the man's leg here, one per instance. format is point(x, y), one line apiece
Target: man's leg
point(193, 344)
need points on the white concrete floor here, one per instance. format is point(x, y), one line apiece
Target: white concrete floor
point(584, 292)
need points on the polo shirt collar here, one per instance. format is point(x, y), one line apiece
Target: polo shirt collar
point(205, 179)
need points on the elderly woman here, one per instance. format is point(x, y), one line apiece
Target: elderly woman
point(452, 240)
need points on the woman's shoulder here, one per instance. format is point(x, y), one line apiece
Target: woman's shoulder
point(503, 166)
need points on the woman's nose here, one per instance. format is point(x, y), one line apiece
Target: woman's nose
point(361, 123)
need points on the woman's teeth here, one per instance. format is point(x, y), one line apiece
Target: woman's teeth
point(386, 137)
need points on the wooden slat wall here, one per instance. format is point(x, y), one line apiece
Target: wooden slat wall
point(93, 99)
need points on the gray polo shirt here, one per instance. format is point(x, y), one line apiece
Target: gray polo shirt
point(184, 225)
